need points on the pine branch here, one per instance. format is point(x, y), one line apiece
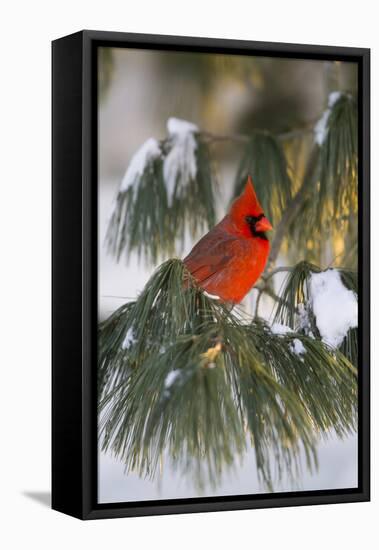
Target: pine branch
point(293, 207)
point(330, 205)
point(295, 307)
point(161, 198)
point(339, 158)
point(181, 374)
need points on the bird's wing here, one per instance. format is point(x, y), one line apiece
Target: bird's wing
point(212, 254)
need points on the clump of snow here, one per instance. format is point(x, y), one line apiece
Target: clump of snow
point(333, 98)
point(335, 307)
point(176, 126)
point(180, 166)
point(297, 347)
point(145, 155)
point(129, 339)
point(279, 329)
point(321, 127)
point(213, 296)
point(171, 377)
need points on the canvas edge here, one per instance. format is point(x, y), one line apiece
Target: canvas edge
point(82, 503)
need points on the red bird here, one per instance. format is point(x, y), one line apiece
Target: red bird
point(229, 259)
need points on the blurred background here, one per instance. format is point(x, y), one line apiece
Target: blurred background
point(225, 96)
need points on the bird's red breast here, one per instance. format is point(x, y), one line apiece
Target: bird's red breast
point(229, 259)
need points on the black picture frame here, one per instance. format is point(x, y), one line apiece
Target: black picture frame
point(74, 272)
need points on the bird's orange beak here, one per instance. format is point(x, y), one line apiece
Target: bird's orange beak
point(263, 225)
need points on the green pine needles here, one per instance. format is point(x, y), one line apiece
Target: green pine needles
point(264, 160)
point(295, 308)
point(164, 195)
point(137, 219)
point(339, 160)
point(328, 204)
point(183, 378)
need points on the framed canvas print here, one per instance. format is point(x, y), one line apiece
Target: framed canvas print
point(210, 275)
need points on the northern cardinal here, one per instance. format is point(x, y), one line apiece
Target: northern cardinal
point(229, 259)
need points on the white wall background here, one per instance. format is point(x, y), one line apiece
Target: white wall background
point(27, 28)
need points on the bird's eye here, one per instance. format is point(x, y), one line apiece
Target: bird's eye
point(249, 219)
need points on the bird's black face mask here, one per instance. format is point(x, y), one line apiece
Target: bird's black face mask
point(252, 221)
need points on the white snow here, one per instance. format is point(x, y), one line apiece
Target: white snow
point(297, 347)
point(179, 166)
point(171, 377)
point(129, 339)
point(147, 153)
point(213, 296)
point(335, 307)
point(177, 126)
point(280, 330)
point(321, 126)
point(333, 98)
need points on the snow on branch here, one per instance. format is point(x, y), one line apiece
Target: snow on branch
point(166, 192)
point(335, 307)
point(322, 305)
point(322, 125)
point(141, 161)
point(180, 164)
point(279, 329)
